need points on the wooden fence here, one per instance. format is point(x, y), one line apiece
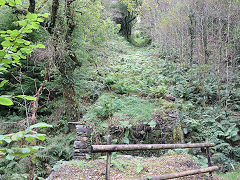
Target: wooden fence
point(132, 147)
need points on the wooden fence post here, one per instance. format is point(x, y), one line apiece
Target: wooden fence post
point(108, 159)
point(209, 158)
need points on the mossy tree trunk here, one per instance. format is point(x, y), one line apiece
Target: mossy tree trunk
point(69, 96)
point(126, 24)
point(67, 69)
point(67, 62)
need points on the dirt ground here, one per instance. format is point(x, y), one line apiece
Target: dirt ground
point(127, 167)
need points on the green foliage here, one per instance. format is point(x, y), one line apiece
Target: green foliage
point(13, 169)
point(5, 101)
point(28, 135)
point(118, 84)
point(158, 91)
point(139, 40)
point(177, 134)
point(152, 124)
point(132, 108)
point(127, 126)
point(201, 160)
point(11, 2)
point(58, 147)
point(118, 163)
point(139, 168)
point(134, 74)
point(15, 47)
point(7, 19)
point(138, 85)
point(231, 175)
point(80, 164)
point(104, 108)
point(89, 37)
point(213, 120)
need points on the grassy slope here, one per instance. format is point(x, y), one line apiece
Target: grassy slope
point(132, 78)
point(125, 82)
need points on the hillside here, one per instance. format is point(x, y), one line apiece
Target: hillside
point(142, 71)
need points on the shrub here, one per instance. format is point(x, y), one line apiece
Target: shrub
point(139, 40)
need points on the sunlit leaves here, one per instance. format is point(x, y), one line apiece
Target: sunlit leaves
point(40, 46)
point(10, 2)
point(18, 2)
point(32, 17)
point(2, 2)
point(30, 98)
point(15, 48)
point(22, 23)
point(3, 82)
point(29, 135)
point(39, 125)
point(5, 101)
point(6, 43)
point(13, 40)
point(9, 157)
point(17, 136)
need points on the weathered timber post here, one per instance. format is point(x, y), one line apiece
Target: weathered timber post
point(81, 144)
point(209, 158)
point(108, 159)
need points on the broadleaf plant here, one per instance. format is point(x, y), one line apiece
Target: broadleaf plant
point(29, 135)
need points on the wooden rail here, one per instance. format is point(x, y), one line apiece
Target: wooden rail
point(132, 147)
point(182, 174)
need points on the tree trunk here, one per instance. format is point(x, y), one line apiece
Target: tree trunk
point(126, 25)
point(204, 40)
point(67, 69)
point(71, 104)
point(67, 61)
point(192, 36)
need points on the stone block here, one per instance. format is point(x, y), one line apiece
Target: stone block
point(80, 145)
point(82, 138)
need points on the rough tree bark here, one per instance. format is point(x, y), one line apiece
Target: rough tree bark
point(192, 35)
point(31, 7)
point(126, 24)
point(67, 69)
point(204, 39)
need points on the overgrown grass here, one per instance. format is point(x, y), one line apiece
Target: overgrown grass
point(231, 175)
point(111, 108)
point(139, 40)
point(135, 83)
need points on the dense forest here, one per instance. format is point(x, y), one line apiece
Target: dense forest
point(142, 71)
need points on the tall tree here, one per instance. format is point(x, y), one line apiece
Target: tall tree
point(66, 18)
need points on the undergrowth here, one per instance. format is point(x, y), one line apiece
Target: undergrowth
point(135, 83)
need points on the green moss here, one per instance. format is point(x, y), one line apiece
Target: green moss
point(177, 133)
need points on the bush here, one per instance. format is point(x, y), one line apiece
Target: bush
point(139, 40)
point(104, 107)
